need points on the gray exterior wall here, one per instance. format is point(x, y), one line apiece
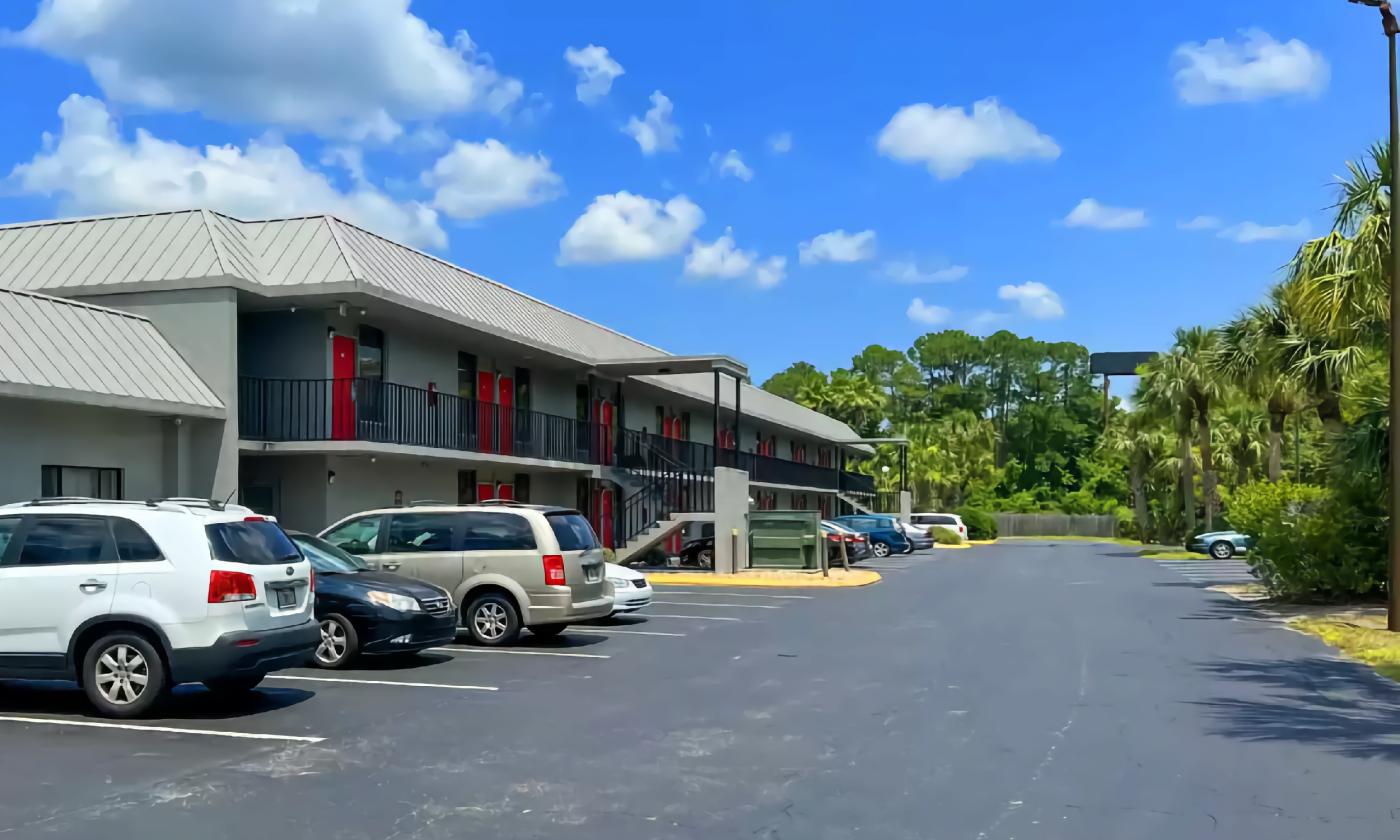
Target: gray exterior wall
point(203, 325)
point(43, 433)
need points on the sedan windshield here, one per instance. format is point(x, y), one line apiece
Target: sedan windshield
point(326, 558)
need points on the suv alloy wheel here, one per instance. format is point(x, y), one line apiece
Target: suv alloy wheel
point(123, 675)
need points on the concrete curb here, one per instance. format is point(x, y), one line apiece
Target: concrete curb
point(773, 579)
point(964, 545)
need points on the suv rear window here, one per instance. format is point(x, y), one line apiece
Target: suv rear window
point(253, 543)
point(572, 531)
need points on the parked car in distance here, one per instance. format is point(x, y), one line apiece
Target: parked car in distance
point(699, 553)
point(882, 530)
point(1222, 545)
point(918, 535)
point(131, 598)
point(631, 589)
point(857, 546)
point(946, 520)
point(361, 611)
point(508, 566)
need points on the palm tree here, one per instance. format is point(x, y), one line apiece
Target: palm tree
point(1144, 444)
point(1249, 358)
point(1245, 438)
point(1196, 347)
point(1164, 392)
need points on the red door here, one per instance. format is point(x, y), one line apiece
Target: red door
point(604, 525)
point(505, 491)
point(486, 411)
point(485, 491)
point(506, 389)
point(343, 388)
point(603, 417)
point(672, 431)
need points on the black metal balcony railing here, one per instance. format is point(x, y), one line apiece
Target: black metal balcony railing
point(857, 483)
point(382, 412)
point(781, 471)
point(678, 478)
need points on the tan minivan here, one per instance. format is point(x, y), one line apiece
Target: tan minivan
point(507, 566)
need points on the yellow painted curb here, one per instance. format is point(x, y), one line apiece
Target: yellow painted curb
point(982, 542)
point(776, 579)
point(962, 545)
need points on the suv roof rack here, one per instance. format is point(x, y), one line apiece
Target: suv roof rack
point(501, 503)
point(76, 500)
point(195, 502)
point(431, 503)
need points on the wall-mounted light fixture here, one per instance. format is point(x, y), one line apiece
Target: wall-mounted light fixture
point(293, 309)
point(330, 476)
point(372, 459)
point(330, 332)
point(398, 498)
point(343, 309)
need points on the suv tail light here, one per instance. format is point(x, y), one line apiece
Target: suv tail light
point(226, 587)
point(311, 582)
point(554, 570)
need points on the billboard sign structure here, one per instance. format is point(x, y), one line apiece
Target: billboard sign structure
point(1118, 364)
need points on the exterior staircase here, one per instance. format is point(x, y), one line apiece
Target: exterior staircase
point(856, 505)
point(652, 536)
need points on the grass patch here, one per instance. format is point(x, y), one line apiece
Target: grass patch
point(1162, 554)
point(1366, 640)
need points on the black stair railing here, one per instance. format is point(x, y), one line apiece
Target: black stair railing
point(677, 477)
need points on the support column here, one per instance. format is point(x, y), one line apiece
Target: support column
point(906, 505)
point(738, 390)
point(175, 457)
point(731, 520)
point(717, 459)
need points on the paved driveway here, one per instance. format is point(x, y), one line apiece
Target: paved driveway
point(1046, 690)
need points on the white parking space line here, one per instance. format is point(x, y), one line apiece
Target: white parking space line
point(521, 652)
point(175, 730)
point(383, 682)
point(691, 593)
point(723, 606)
point(608, 631)
point(694, 617)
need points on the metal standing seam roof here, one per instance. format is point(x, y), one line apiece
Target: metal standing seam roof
point(292, 256)
point(57, 349)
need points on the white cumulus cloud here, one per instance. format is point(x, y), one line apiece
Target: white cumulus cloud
point(1201, 223)
point(90, 168)
point(909, 271)
point(950, 140)
point(623, 227)
point(1034, 300)
point(1091, 214)
point(770, 272)
point(596, 71)
point(356, 68)
point(1255, 67)
point(731, 164)
point(477, 179)
point(781, 143)
point(1248, 232)
point(837, 246)
point(655, 132)
point(720, 258)
point(927, 313)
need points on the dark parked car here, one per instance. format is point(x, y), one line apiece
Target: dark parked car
point(368, 612)
point(699, 553)
point(884, 532)
point(857, 546)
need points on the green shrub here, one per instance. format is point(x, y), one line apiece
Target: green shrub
point(944, 535)
point(980, 524)
point(1310, 544)
point(1126, 526)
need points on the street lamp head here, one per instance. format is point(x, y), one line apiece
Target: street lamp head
point(1388, 21)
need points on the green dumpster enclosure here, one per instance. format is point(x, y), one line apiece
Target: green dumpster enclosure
point(785, 539)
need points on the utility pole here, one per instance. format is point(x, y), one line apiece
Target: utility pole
point(1392, 28)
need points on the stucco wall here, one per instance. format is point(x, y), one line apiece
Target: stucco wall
point(39, 433)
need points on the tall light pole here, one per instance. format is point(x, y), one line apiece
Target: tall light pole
point(1392, 28)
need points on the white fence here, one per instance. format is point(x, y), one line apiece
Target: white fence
point(1055, 525)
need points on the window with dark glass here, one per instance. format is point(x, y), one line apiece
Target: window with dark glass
point(522, 487)
point(466, 375)
point(370, 396)
point(134, 545)
point(422, 532)
point(9, 526)
point(91, 482)
point(572, 531)
point(496, 531)
point(65, 540)
point(466, 487)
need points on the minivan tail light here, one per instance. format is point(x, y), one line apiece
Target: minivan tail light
point(311, 582)
point(554, 569)
point(226, 587)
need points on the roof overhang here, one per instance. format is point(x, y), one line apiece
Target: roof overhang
point(119, 402)
point(663, 365)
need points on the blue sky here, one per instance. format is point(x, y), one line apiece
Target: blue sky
point(355, 107)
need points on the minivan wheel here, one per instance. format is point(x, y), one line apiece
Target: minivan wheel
point(881, 549)
point(339, 642)
point(1222, 550)
point(548, 631)
point(123, 675)
point(492, 620)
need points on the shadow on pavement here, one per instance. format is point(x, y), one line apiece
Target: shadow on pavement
point(1341, 706)
point(186, 702)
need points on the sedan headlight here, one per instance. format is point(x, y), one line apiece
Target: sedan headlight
point(402, 603)
point(620, 583)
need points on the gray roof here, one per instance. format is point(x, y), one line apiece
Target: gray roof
point(323, 254)
point(56, 349)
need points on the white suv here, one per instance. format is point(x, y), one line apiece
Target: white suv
point(131, 598)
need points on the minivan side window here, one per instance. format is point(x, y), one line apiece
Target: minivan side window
point(358, 536)
point(9, 526)
point(65, 540)
point(492, 531)
point(421, 532)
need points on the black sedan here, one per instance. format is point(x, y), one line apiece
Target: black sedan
point(368, 612)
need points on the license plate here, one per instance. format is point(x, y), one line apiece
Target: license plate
point(286, 598)
point(592, 574)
